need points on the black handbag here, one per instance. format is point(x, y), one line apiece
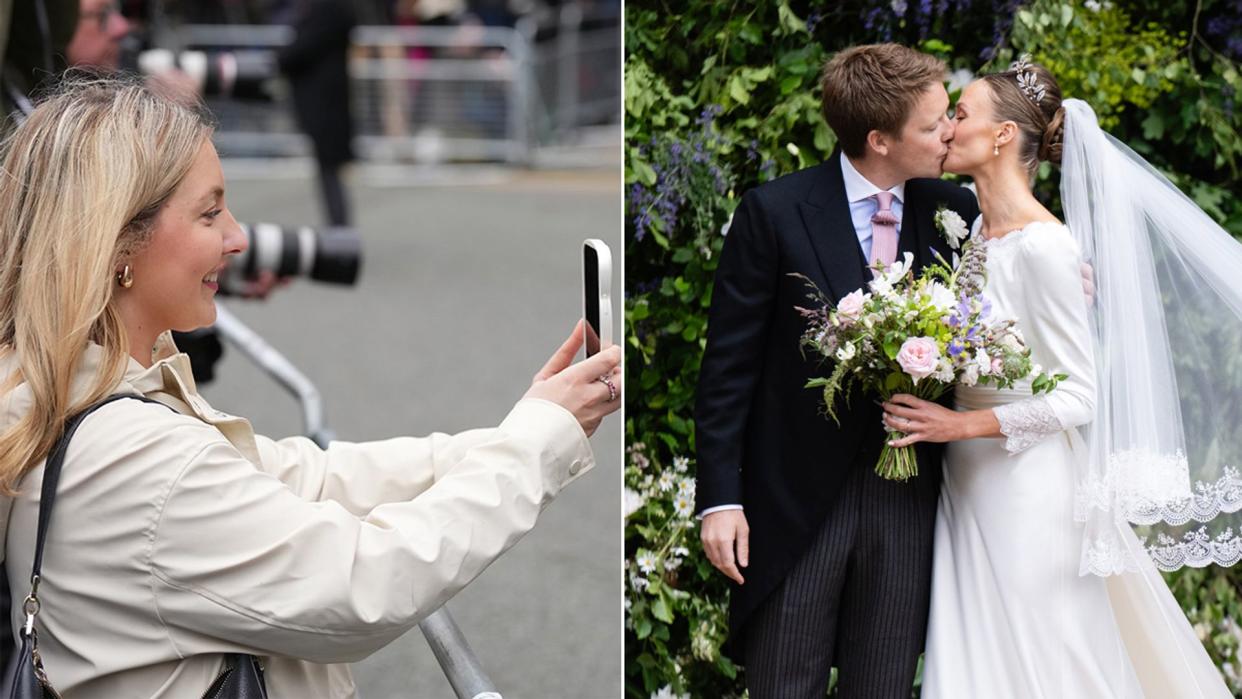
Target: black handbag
point(24, 676)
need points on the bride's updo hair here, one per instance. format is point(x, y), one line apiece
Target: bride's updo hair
point(1030, 97)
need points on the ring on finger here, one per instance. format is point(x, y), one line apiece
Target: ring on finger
point(612, 388)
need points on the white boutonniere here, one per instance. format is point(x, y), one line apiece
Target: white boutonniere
point(952, 227)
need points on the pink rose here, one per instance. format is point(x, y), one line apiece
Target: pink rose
point(918, 357)
point(851, 307)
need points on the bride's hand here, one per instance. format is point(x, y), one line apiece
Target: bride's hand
point(921, 421)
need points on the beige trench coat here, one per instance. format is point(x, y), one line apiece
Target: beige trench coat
point(179, 536)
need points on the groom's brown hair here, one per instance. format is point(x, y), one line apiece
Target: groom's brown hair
point(874, 87)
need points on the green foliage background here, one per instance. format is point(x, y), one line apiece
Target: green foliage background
point(721, 96)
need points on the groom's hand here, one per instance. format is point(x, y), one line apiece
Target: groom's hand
point(721, 531)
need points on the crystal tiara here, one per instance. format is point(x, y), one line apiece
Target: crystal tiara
point(1027, 82)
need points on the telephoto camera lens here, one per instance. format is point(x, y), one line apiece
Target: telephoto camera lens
point(333, 255)
point(242, 74)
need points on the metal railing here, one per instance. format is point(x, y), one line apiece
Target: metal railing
point(577, 68)
point(431, 94)
point(439, 93)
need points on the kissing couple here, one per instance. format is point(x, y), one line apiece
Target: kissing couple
point(1024, 557)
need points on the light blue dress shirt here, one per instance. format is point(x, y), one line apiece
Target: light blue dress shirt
point(858, 191)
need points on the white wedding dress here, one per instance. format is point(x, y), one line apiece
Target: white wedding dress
point(1010, 615)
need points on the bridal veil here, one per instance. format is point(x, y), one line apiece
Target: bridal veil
point(1165, 446)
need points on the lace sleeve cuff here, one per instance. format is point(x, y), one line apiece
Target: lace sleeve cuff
point(1026, 422)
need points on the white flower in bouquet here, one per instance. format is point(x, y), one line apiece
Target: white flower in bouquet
point(944, 371)
point(646, 561)
point(982, 362)
point(680, 463)
point(953, 227)
point(880, 286)
point(970, 375)
point(899, 269)
point(1012, 341)
point(941, 296)
point(846, 353)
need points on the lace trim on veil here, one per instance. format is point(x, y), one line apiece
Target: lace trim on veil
point(1141, 487)
point(1146, 488)
point(1107, 555)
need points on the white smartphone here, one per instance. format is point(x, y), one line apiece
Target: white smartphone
point(596, 295)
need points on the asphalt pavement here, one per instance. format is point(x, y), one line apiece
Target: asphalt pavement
point(470, 280)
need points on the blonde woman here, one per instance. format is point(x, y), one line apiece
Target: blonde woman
point(180, 535)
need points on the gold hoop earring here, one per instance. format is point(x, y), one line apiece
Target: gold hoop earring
point(125, 278)
point(996, 148)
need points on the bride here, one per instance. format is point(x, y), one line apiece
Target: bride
point(1041, 586)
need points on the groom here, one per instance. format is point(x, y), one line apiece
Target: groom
point(832, 564)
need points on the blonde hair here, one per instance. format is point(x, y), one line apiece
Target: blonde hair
point(81, 182)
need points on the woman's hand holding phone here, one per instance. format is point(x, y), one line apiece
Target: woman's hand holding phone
point(579, 387)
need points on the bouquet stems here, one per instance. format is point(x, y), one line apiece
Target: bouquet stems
point(897, 463)
point(902, 463)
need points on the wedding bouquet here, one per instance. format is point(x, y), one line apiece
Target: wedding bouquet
point(919, 336)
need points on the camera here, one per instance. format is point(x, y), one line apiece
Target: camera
point(332, 256)
point(239, 74)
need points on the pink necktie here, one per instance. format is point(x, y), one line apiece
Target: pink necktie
point(884, 230)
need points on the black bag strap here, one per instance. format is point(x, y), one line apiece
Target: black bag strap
point(243, 674)
point(51, 474)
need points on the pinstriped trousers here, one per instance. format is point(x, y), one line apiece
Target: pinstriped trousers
point(858, 599)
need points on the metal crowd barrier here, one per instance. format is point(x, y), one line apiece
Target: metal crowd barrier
point(431, 94)
point(577, 67)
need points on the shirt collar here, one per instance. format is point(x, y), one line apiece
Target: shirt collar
point(154, 379)
point(858, 187)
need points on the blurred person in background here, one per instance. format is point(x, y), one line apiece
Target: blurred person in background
point(316, 64)
point(88, 34)
point(97, 39)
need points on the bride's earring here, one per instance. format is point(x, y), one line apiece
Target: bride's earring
point(996, 148)
point(125, 278)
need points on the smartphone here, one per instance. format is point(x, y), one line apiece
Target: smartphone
point(596, 295)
